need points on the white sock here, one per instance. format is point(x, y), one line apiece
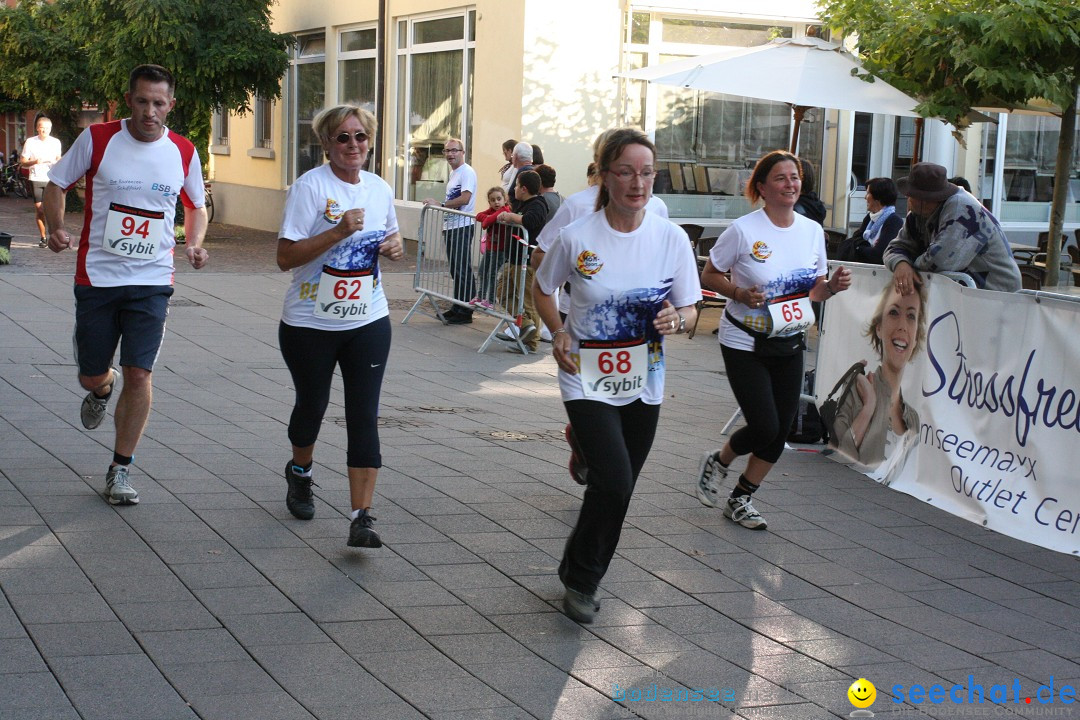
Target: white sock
point(355, 514)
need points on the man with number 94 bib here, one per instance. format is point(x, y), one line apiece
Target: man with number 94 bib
point(135, 170)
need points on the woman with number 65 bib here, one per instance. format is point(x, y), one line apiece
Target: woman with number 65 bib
point(338, 220)
point(777, 265)
point(633, 280)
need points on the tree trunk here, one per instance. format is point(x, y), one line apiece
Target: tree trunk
point(1066, 143)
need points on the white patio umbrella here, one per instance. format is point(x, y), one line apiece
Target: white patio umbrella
point(803, 72)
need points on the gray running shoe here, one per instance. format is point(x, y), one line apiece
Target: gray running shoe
point(117, 488)
point(94, 408)
point(710, 475)
point(579, 606)
point(742, 511)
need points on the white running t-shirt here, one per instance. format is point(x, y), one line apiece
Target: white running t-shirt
point(315, 203)
point(131, 192)
point(618, 282)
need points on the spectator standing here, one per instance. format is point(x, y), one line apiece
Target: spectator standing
point(493, 247)
point(521, 158)
point(547, 189)
point(458, 230)
point(948, 230)
point(532, 215)
point(507, 172)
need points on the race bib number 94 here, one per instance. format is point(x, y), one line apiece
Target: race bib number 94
point(344, 294)
point(132, 232)
point(791, 314)
point(613, 368)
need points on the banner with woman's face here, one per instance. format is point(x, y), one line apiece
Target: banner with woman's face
point(965, 398)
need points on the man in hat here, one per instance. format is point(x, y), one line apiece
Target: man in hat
point(948, 230)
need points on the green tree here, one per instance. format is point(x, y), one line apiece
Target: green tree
point(57, 55)
point(957, 54)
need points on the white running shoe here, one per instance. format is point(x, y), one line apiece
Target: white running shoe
point(710, 474)
point(742, 511)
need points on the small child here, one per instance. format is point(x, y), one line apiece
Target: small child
point(493, 246)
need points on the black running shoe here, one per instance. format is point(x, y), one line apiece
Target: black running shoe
point(299, 499)
point(362, 533)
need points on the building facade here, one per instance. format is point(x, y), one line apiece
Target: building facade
point(546, 72)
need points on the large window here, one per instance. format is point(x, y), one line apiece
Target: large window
point(434, 79)
point(1027, 174)
point(357, 55)
point(705, 141)
point(307, 94)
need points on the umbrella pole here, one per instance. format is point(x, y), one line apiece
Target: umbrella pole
point(798, 111)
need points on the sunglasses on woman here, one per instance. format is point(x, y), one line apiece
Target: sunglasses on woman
point(343, 138)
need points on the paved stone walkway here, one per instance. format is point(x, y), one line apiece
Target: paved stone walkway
point(208, 600)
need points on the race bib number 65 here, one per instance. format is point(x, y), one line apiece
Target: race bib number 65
point(791, 314)
point(132, 232)
point(613, 368)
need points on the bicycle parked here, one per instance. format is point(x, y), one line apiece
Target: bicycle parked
point(11, 180)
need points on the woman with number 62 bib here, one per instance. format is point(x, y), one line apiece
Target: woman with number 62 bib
point(777, 265)
point(633, 280)
point(338, 220)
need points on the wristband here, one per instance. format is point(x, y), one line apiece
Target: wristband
point(560, 330)
point(829, 288)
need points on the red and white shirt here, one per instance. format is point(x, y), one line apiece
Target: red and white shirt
point(131, 193)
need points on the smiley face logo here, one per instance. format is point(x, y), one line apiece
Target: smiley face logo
point(862, 693)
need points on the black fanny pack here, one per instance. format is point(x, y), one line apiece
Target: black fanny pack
point(765, 346)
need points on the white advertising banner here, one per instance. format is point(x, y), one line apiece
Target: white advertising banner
point(967, 399)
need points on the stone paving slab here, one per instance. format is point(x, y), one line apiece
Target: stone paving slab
point(211, 601)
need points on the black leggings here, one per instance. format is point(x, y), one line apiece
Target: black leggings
point(615, 441)
point(767, 390)
point(311, 356)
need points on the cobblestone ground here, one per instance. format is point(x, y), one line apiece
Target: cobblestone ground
point(208, 600)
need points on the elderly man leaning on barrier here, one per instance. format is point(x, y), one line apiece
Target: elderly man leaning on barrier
point(948, 230)
point(458, 230)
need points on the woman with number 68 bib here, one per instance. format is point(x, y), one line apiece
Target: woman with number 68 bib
point(777, 266)
point(338, 220)
point(633, 280)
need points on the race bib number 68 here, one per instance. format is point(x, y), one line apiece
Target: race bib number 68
point(613, 368)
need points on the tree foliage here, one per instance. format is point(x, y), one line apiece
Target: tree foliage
point(57, 55)
point(956, 54)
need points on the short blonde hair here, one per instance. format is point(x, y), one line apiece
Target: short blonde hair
point(332, 117)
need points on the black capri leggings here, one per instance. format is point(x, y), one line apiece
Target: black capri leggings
point(311, 356)
point(767, 390)
point(615, 441)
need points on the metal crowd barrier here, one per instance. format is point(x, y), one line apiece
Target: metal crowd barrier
point(454, 264)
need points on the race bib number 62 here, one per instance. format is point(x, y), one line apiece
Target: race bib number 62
point(344, 294)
